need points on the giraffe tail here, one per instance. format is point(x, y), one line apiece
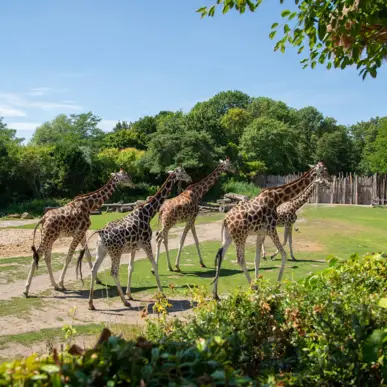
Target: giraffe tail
point(79, 264)
point(33, 248)
point(218, 263)
point(79, 261)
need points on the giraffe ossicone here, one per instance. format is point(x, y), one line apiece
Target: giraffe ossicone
point(71, 220)
point(129, 234)
point(185, 208)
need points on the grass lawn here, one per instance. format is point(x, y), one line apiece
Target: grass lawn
point(323, 231)
point(98, 221)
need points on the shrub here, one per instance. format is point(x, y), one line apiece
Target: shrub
point(241, 187)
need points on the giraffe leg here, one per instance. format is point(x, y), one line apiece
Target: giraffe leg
point(73, 246)
point(240, 248)
point(226, 242)
point(162, 236)
point(147, 246)
point(47, 258)
point(101, 254)
point(193, 229)
point(88, 257)
point(290, 232)
point(31, 274)
point(274, 236)
point(286, 233)
point(130, 271)
point(183, 236)
point(258, 249)
point(263, 251)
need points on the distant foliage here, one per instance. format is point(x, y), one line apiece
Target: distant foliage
point(70, 155)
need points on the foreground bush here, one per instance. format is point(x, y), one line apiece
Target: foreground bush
point(327, 330)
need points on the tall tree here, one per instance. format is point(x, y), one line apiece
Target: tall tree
point(272, 142)
point(76, 128)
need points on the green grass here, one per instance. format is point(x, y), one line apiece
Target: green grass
point(99, 221)
point(324, 231)
point(48, 334)
point(15, 268)
point(20, 306)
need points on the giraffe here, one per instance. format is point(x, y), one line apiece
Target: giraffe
point(287, 215)
point(259, 216)
point(73, 220)
point(128, 235)
point(185, 208)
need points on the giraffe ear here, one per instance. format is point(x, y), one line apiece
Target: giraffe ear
point(220, 161)
point(311, 166)
point(169, 172)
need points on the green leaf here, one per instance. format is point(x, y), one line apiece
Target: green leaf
point(329, 65)
point(373, 72)
point(50, 368)
point(301, 49)
point(292, 15)
point(383, 303)
point(272, 34)
point(285, 13)
point(211, 11)
point(286, 29)
point(313, 64)
point(274, 25)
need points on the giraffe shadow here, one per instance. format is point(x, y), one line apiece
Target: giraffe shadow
point(108, 291)
point(177, 305)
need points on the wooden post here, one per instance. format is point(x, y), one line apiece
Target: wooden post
point(333, 188)
point(345, 188)
point(351, 189)
point(356, 191)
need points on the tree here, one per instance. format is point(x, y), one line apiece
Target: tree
point(76, 128)
point(124, 138)
point(34, 167)
point(263, 106)
point(121, 126)
point(335, 150)
point(374, 154)
point(234, 121)
point(175, 143)
point(272, 142)
point(207, 115)
point(337, 33)
point(9, 144)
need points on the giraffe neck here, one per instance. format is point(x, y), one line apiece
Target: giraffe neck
point(204, 185)
point(152, 206)
point(289, 191)
point(94, 200)
point(301, 199)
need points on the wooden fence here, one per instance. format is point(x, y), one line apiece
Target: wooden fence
point(345, 188)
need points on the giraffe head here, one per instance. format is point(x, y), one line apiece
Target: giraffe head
point(123, 178)
point(320, 180)
point(181, 174)
point(227, 165)
point(321, 171)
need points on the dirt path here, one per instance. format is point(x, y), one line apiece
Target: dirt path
point(16, 222)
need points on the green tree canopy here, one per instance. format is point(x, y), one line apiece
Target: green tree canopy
point(76, 128)
point(336, 33)
point(273, 142)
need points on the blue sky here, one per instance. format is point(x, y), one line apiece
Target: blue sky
point(124, 59)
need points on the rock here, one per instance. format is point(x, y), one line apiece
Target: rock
point(14, 216)
point(26, 215)
point(138, 202)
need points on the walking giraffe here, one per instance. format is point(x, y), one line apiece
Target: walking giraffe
point(128, 235)
point(287, 215)
point(71, 220)
point(259, 216)
point(185, 208)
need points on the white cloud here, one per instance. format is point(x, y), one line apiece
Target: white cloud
point(18, 100)
point(24, 125)
point(11, 112)
point(107, 125)
point(39, 91)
